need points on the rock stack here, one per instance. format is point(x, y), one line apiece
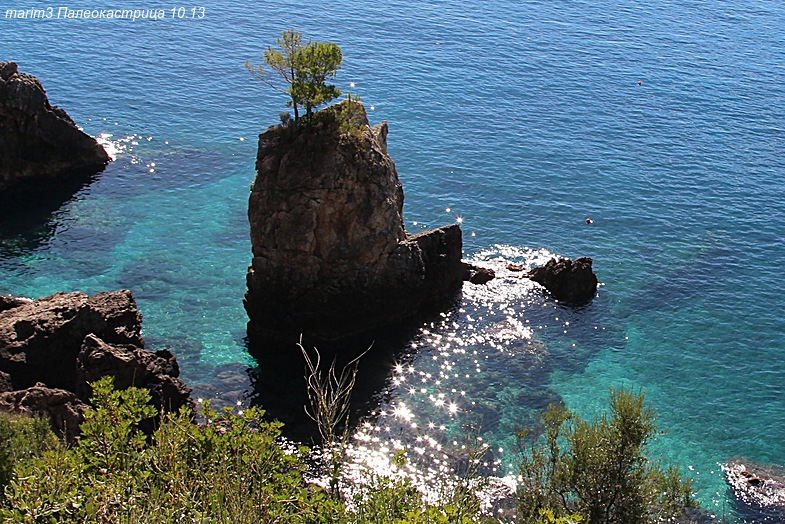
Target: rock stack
point(331, 256)
point(570, 282)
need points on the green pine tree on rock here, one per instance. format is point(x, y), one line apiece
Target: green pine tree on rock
point(302, 70)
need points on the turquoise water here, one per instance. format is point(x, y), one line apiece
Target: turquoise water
point(521, 119)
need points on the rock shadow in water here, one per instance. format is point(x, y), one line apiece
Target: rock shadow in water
point(28, 217)
point(279, 384)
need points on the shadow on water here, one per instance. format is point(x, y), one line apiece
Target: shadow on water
point(482, 363)
point(683, 281)
point(744, 514)
point(28, 216)
point(279, 384)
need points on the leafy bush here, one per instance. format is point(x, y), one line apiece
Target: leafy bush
point(228, 470)
point(22, 438)
point(599, 469)
point(231, 469)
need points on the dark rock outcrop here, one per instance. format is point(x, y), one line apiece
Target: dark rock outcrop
point(331, 257)
point(759, 489)
point(11, 302)
point(67, 340)
point(40, 339)
point(131, 366)
point(64, 408)
point(573, 283)
point(479, 275)
point(39, 142)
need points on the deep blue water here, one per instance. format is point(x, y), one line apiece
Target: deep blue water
point(662, 121)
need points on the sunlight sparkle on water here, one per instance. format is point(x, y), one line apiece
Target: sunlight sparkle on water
point(462, 375)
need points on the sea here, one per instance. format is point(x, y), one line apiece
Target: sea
point(660, 121)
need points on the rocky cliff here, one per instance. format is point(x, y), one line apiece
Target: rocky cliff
point(39, 142)
point(331, 256)
point(52, 348)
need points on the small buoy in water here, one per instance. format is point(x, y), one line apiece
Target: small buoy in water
point(640, 83)
point(589, 221)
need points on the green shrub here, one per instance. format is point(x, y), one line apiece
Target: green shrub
point(228, 470)
point(22, 438)
point(547, 517)
point(599, 469)
point(386, 501)
point(231, 469)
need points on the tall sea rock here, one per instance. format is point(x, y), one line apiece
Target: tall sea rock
point(331, 256)
point(39, 143)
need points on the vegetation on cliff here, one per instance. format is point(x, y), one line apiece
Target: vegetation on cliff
point(232, 468)
point(301, 70)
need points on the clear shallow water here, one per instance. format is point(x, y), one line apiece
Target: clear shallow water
point(522, 119)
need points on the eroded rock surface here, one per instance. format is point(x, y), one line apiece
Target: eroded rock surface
point(67, 340)
point(39, 143)
point(331, 256)
point(64, 408)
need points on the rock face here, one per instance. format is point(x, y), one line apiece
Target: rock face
point(53, 347)
point(331, 256)
point(64, 408)
point(573, 283)
point(39, 142)
point(759, 489)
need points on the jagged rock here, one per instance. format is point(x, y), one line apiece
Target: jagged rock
point(132, 366)
point(759, 489)
point(64, 408)
point(479, 275)
point(573, 283)
point(331, 256)
point(39, 340)
point(39, 142)
point(11, 302)
point(66, 340)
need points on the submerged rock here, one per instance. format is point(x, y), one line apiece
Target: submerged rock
point(759, 489)
point(39, 143)
point(573, 283)
point(331, 257)
point(65, 341)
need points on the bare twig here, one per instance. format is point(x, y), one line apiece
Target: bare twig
point(329, 393)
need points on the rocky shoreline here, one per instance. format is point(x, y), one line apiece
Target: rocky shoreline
point(52, 348)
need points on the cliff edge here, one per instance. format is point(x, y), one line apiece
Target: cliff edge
point(331, 256)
